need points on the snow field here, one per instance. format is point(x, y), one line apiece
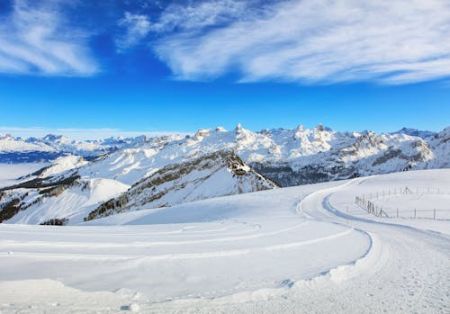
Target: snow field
point(417, 195)
point(207, 261)
point(307, 249)
point(420, 203)
point(247, 242)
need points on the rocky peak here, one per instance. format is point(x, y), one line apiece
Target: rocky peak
point(212, 175)
point(415, 132)
point(202, 133)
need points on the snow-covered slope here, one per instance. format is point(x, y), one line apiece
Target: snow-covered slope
point(62, 204)
point(305, 249)
point(68, 198)
point(217, 174)
point(440, 143)
point(61, 164)
point(55, 200)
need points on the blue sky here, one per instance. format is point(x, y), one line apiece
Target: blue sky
point(149, 65)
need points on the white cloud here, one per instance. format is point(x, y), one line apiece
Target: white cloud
point(136, 28)
point(176, 17)
point(199, 14)
point(79, 134)
point(318, 41)
point(34, 40)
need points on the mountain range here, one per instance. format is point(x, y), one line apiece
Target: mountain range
point(93, 179)
point(50, 147)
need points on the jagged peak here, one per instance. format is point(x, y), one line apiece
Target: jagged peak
point(52, 137)
point(415, 132)
point(220, 129)
point(240, 130)
point(321, 128)
point(201, 133)
point(445, 132)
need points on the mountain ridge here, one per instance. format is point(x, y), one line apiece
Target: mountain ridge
point(283, 157)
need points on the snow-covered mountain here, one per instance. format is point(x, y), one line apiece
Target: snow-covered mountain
point(416, 132)
point(168, 170)
point(217, 174)
point(50, 147)
point(66, 197)
point(59, 165)
point(56, 202)
point(288, 157)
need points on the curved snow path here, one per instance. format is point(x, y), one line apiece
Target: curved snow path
point(262, 243)
point(245, 265)
point(412, 273)
point(406, 271)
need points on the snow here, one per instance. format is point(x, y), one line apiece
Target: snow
point(426, 191)
point(301, 249)
point(342, 154)
point(62, 164)
point(218, 174)
point(9, 173)
point(12, 144)
point(213, 255)
point(51, 146)
point(298, 148)
point(210, 176)
point(74, 203)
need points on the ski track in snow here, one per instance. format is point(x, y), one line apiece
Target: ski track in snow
point(253, 263)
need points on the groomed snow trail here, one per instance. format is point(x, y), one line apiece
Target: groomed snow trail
point(407, 271)
point(413, 271)
point(264, 255)
point(205, 250)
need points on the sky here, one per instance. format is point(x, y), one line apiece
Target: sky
point(154, 66)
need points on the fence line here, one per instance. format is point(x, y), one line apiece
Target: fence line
point(370, 207)
point(406, 191)
point(366, 202)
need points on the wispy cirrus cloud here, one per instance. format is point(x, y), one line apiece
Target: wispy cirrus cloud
point(136, 27)
point(34, 39)
point(176, 17)
point(197, 15)
point(312, 41)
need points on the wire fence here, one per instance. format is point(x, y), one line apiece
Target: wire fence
point(375, 203)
